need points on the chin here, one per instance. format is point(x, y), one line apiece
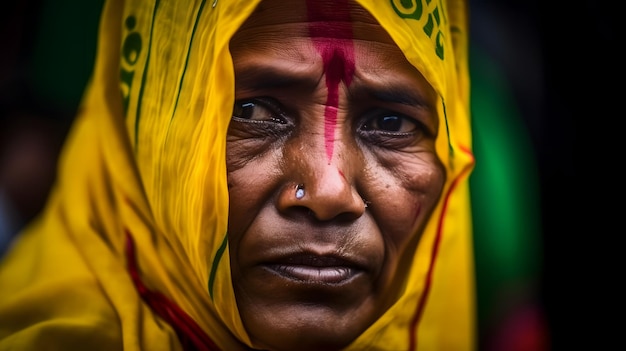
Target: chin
point(313, 339)
point(307, 328)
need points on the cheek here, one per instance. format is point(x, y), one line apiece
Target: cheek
point(250, 184)
point(402, 198)
point(426, 187)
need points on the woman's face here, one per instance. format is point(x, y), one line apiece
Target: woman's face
point(332, 172)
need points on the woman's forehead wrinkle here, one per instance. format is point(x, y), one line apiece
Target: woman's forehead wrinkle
point(330, 28)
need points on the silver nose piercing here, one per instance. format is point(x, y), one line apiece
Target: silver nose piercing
point(299, 191)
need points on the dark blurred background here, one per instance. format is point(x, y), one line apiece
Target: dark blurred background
point(543, 81)
point(48, 49)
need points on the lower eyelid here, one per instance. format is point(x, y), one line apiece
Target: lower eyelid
point(246, 120)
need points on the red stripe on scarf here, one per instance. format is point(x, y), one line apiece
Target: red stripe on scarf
point(435, 250)
point(191, 336)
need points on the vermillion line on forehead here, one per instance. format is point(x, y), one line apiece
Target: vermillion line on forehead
point(330, 28)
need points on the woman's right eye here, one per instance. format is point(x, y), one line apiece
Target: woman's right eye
point(261, 110)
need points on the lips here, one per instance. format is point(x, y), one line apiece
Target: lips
point(315, 269)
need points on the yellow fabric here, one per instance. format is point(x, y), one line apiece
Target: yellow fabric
point(152, 161)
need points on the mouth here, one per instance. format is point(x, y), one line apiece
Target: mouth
point(315, 269)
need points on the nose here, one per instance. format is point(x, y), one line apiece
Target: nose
point(322, 189)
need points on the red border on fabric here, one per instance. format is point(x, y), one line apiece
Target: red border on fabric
point(435, 250)
point(191, 336)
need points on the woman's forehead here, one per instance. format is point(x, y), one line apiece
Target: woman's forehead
point(316, 18)
point(306, 39)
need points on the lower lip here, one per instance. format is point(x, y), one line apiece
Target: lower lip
point(315, 275)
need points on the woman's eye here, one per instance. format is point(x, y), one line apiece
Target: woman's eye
point(391, 124)
point(262, 110)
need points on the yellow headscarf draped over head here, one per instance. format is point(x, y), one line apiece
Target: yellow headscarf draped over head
point(141, 203)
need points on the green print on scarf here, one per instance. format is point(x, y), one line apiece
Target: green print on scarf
point(445, 118)
point(131, 48)
point(409, 9)
point(216, 262)
point(143, 78)
point(193, 35)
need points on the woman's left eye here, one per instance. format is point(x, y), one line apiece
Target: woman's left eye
point(390, 124)
point(262, 110)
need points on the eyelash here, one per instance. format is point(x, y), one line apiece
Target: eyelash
point(389, 138)
point(392, 117)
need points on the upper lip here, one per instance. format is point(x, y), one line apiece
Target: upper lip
point(314, 260)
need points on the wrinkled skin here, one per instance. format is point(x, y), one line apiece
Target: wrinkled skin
point(314, 272)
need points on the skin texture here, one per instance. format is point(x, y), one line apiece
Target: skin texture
point(325, 100)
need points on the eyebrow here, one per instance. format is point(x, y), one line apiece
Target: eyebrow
point(267, 77)
point(395, 94)
point(403, 95)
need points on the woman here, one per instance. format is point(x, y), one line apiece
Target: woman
point(275, 175)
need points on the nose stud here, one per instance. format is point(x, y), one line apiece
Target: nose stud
point(299, 191)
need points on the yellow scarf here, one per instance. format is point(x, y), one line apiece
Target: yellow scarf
point(141, 200)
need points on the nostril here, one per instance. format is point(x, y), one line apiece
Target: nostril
point(301, 212)
point(338, 207)
point(346, 217)
point(320, 217)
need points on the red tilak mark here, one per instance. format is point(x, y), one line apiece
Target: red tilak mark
point(331, 31)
